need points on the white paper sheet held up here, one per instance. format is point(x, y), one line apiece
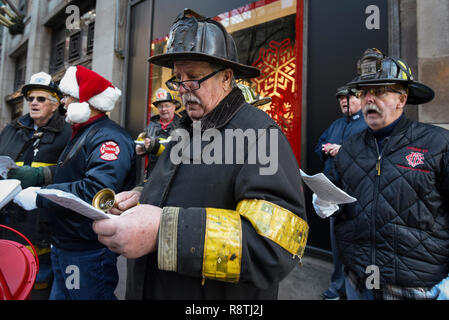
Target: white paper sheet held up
point(325, 189)
point(9, 188)
point(72, 202)
point(6, 163)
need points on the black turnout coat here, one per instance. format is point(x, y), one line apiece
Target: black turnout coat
point(192, 188)
point(37, 148)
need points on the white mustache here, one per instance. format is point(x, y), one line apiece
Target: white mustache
point(371, 107)
point(189, 98)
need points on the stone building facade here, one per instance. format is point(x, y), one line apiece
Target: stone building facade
point(57, 34)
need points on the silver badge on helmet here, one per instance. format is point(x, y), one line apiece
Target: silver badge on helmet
point(368, 68)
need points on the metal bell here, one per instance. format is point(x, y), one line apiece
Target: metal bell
point(104, 199)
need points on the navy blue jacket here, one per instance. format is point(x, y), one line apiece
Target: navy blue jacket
point(340, 130)
point(106, 159)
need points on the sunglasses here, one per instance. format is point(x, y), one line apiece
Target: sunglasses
point(39, 99)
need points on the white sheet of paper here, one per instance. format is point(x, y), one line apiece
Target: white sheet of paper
point(6, 163)
point(72, 202)
point(9, 188)
point(325, 189)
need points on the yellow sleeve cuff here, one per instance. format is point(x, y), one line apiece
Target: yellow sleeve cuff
point(223, 238)
point(277, 224)
point(222, 245)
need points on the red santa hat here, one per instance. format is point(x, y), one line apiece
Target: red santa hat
point(91, 89)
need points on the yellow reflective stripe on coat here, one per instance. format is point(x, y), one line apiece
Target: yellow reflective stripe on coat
point(222, 245)
point(37, 164)
point(277, 224)
point(161, 149)
point(39, 250)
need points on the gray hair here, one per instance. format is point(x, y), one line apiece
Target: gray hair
point(233, 83)
point(219, 66)
point(53, 99)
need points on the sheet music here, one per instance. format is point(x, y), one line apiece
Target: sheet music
point(9, 188)
point(325, 189)
point(72, 202)
point(6, 163)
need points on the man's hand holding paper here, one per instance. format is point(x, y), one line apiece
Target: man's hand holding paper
point(326, 195)
point(27, 198)
point(324, 209)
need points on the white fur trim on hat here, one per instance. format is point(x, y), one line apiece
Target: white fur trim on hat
point(68, 84)
point(78, 112)
point(106, 100)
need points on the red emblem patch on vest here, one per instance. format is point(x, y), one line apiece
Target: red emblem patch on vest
point(415, 158)
point(109, 151)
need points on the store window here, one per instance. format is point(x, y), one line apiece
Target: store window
point(20, 70)
point(266, 33)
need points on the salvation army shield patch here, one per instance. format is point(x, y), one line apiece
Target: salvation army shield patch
point(109, 151)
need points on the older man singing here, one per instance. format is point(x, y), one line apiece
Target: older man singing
point(211, 230)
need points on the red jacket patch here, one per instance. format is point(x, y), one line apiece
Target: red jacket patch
point(415, 158)
point(109, 151)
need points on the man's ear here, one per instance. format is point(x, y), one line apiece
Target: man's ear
point(402, 101)
point(227, 78)
point(54, 107)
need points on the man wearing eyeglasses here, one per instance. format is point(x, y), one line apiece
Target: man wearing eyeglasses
point(161, 126)
point(211, 230)
point(394, 240)
point(34, 142)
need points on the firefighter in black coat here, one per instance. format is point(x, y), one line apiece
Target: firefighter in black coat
point(215, 220)
point(159, 129)
point(34, 142)
point(394, 240)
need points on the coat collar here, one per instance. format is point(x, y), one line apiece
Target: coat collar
point(55, 124)
point(77, 127)
point(400, 135)
point(222, 113)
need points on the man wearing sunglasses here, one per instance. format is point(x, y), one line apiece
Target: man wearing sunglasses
point(203, 230)
point(394, 240)
point(34, 142)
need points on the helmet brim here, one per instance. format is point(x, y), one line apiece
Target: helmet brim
point(241, 71)
point(418, 93)
point(261, 101)
point(175, 102)
point(28, 87)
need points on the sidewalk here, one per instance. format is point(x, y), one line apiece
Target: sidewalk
point(306, 282)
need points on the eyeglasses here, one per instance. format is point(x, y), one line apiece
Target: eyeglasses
point(39, 99)
point(161, 106)
point(189, 85)
point(377, 91)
